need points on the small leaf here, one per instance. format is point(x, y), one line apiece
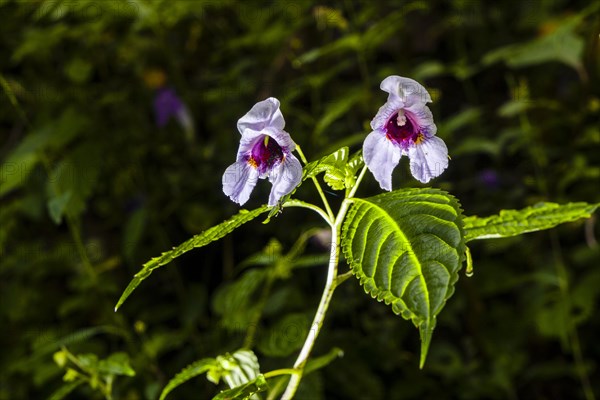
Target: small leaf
point(239, 368)
point(406, 248)
point(116, 364)
point(60, 358)
point(57, 206)
point(70, 375)
point(516, 222)
point(352, 167)
point(245, 391)
point(197, 368)
point(334, 166)
point(322, 361)
point(202, 239)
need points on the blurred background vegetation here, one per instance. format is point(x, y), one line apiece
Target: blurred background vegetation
point(91, 187)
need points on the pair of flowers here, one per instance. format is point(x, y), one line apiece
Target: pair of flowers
point(403, 126)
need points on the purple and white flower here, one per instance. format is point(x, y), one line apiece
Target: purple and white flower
point(404, 126)
point(265, 152)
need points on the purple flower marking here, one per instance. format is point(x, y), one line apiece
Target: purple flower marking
point(265, 151)
point(404, 126)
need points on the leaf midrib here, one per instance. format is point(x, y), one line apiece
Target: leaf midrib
point(411, 255)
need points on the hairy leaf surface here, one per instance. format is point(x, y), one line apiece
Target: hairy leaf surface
point(516, 222)
point(406, 248)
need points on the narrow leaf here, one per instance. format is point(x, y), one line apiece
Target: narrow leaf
point(322, 361)
point(202, 239)
point(197, 368)
point(516, 222)
point(245, 391)
point(65, 390)
point(406, 248)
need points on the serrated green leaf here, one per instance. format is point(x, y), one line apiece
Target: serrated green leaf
point(196, 368)
point(246, 391)
point(202, 239)
point(406, 248)
point(516, 222)
point(334, 166)
point(356, 162)
point(238, 368)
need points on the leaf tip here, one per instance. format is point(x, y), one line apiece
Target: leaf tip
point(426, 332)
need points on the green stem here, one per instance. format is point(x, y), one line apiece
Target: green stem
point(317, 185)
point(302, 204)
point(330, 285)
point(282, 371)
point(343, 278)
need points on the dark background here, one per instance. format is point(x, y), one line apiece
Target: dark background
point(91, 188)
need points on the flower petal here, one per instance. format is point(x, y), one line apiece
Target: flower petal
point(285, 177)
point(283, 139)
point(406, 90)
point(386, 111)
point(428, 159)
point(239, 180)
point(422, 117)
point(381, 157)
point(263, 114)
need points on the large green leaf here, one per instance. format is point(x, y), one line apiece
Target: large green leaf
point(406, 248)
point(515, 222)
point(202, 239)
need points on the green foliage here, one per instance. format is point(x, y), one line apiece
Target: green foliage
point(317, 363)
point(202, 239)
point(334, 166)
point(191, 371)
point(515, 89)
point(245, 391)
point(516, 222)
point(239, 370)
point(87, 368)
point(406, 248)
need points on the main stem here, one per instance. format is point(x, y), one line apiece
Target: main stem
point(330, 286)
point(319, 316)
